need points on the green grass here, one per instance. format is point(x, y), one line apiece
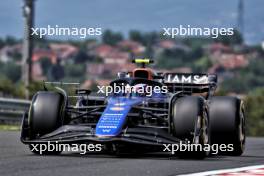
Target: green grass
point(9, 127)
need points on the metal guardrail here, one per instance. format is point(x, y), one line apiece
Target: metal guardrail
point(12, 110)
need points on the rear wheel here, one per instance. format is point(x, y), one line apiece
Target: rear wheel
point(227, 123)
point(190, 123)
point(46, 114)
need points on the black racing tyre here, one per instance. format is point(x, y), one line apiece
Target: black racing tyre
point(46, 114)
point(227, 123)
point(190, 123)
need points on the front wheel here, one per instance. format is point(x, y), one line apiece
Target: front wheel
point(46, 114)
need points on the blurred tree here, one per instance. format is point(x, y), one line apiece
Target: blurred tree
point(41, 42)
point(111, 38)
point(82, 57)
point(34, 87)
point(147, 39)
point(247, 78)
point(56, 72)
point(77, 70)
point(12, 71)
point(97, 59)
point(235, 39)
point(6, 86)
point(196, 53)
point(255, 112)
point(136, 35)
point(148, 52)
point(2, 65)
point(171, 62)
point(202, 65)
point(45, 64)
point(2, 43)
point(10, 40)
point(17, 56)
point(150, 38)
point(196, 42)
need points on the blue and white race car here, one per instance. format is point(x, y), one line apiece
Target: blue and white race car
point(149, 111)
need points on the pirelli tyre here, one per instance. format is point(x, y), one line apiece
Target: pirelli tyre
point(46, 114)
point(190, 123)
point(227, 123)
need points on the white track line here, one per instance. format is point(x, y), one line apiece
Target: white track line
point(225, 171)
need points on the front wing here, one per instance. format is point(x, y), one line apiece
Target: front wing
point(86, 134)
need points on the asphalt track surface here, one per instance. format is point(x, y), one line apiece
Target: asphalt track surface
point(16, 159)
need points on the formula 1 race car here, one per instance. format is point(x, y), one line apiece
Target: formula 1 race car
point(152, 109)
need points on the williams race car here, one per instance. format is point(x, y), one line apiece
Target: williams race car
point(185, 110)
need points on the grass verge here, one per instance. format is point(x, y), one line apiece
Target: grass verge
point(9, 127)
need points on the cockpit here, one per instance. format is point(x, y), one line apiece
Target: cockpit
point(144, 73)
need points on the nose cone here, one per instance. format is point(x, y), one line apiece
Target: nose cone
point(114, 116)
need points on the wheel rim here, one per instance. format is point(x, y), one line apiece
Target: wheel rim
point(205, 129)
point(198, 131)
point(202, 127)
point(241, 128)
point(201, 135)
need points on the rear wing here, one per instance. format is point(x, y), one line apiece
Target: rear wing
point(190, 82)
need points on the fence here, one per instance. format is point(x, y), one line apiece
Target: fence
point(11, 110)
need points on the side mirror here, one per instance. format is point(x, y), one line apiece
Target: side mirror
point(121, 75)
point(212, 78)
point(82, 92)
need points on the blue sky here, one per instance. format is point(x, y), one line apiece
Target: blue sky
point(145, 15)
